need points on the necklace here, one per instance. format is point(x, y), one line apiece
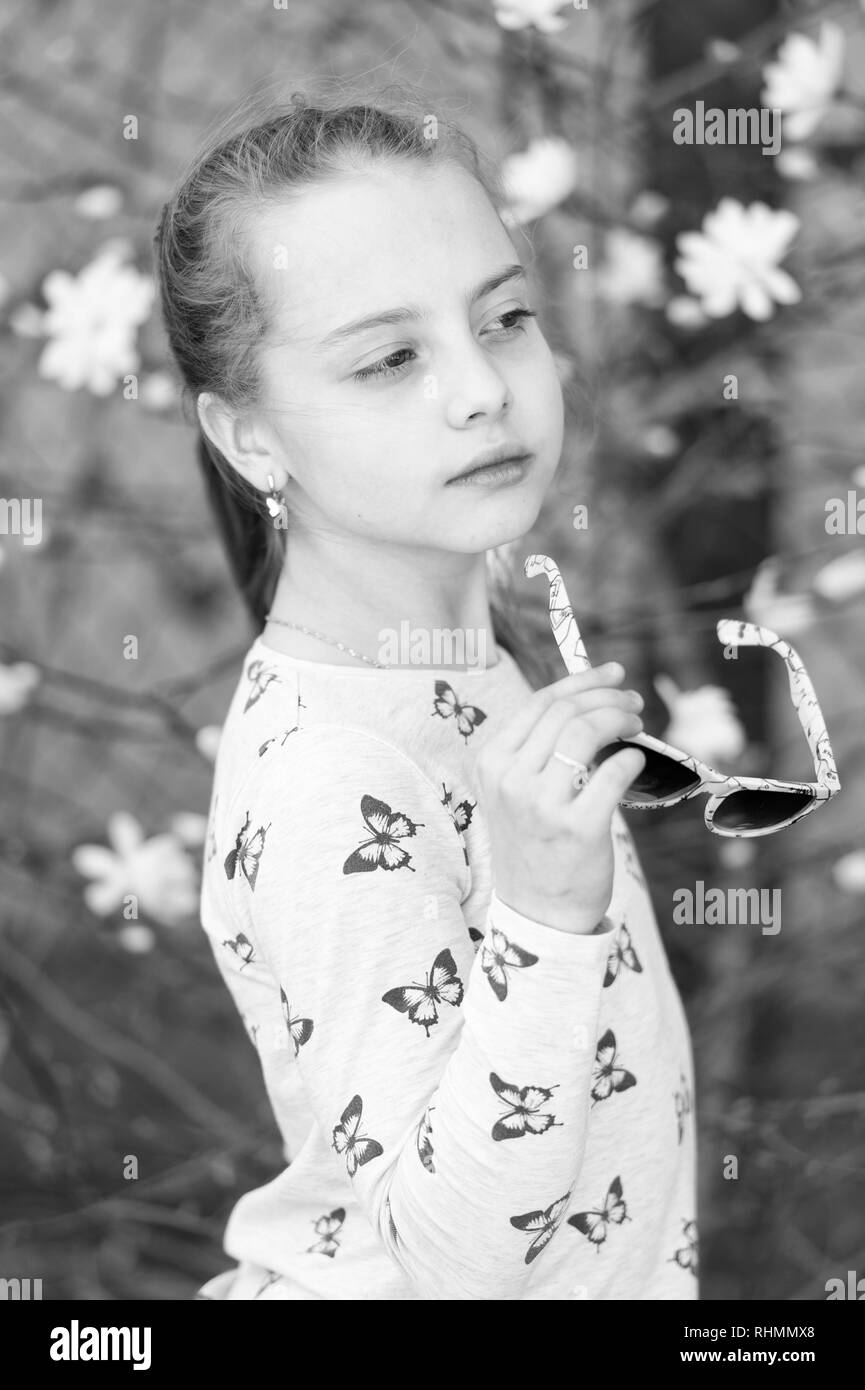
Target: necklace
point(324, 638)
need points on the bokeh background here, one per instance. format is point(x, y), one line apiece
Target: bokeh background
point(706, 304)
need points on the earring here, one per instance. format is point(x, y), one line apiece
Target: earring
point(276, 505)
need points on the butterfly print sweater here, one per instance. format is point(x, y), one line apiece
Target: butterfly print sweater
point(472, 1104)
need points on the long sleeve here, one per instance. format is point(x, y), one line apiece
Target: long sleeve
point(452, 1079)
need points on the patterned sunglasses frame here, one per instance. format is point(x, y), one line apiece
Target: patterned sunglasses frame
point(707, 780)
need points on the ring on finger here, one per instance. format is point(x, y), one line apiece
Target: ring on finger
point(581, 773)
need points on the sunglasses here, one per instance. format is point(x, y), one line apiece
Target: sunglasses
point(740, 806)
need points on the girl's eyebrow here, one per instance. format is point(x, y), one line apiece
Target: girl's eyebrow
point(410, 312)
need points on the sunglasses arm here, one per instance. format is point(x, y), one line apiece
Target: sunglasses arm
point(562, 620)
point(804, 697)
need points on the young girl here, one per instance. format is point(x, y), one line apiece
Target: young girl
point(426, 905)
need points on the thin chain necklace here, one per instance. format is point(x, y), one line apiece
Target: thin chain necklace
point(311, 632)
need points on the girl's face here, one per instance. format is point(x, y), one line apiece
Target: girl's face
point(373, 423)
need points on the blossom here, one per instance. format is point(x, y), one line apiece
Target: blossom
point(849, 872)
point(538, 179)
point(633, 269)
point(158, 391)
point(734, 259)
point(16, 684)
point(803, 79)
point(685, 312)
point(797, 163)
point(703, 722)
point(766, 606)
point(207, 741)
point(101, 201)
point(157, 872)
point(91, 321)
point(842, 578)
point(519, 14)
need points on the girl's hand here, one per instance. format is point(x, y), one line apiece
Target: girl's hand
point(552, 847)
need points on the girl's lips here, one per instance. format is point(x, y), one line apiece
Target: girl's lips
point(495, 474)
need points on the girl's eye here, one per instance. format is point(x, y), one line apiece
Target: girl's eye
point(388, 367)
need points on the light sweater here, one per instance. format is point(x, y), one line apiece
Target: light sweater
point(473, 1105)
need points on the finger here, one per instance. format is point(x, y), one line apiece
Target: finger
point(580, 743)
point(607, 787)
point(517, 730)
point(547, 735)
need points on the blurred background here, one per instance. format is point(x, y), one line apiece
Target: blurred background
point(706, 304)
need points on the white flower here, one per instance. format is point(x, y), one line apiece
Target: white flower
point(519, 14)
point(782, 613)
point(158, 391)
point(702, 721)
point(101, 201)
point(538, 179)
point(648, 208)
point(633, 269)
point(158, 872)
point(189, 827)
point(207, 741)
point(734, 259)
point(849, 872)
point(797, 163)
point(685, 312)
point(723, 51)
point(803, 80)
point(16, 684)
point(661, 441)
point(842, 578)
point(91, 322)
point(136, 937)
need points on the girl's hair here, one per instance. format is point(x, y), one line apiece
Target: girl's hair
point(264, 151)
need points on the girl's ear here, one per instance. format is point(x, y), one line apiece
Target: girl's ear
point(241, 441)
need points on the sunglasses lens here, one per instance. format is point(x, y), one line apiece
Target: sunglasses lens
point(662, 778)
point(756, 810)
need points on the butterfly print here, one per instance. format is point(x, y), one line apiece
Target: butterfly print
point(461, 816)
point(327, 1228)
point(543, 1223)
point(682, 1102)
point(419, 1001)
point(593, 1224)
point(268, 741)
point(347, 1139)
point(251, 1028)
point(476, 936)
point(424, 1140)
point(246, 853)
point(687, 1256)
point(500, 955)
point(622, 953)
point(299, 1029)
point(609, 1077)
point(447, 706)
point(242, 948)
point(382, 851)
point(260, 677)
point(523, 1113)
point(272, 1278)
point(293, 730)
